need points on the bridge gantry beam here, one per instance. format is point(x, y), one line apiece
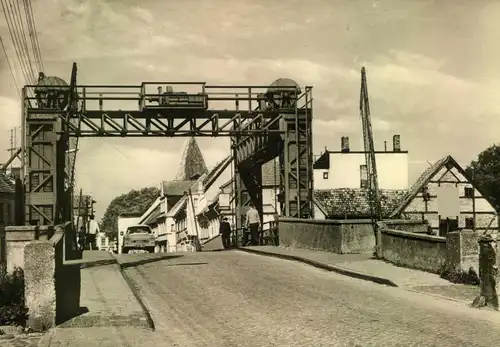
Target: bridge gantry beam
point(267, 127)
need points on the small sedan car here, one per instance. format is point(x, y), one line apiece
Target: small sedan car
point(138, 237)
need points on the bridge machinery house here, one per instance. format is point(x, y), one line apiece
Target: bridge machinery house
point(341, 181)
point(445, 196)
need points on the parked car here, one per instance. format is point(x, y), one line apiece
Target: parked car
point(138, 237)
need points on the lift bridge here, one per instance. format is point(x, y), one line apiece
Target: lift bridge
point(263, 122)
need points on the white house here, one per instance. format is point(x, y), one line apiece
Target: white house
point(341, 181)
point(346, 168)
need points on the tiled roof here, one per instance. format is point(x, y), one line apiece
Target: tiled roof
point(216, 171)
point(354, 203)
point(6, 184)
point(176, 188)
point(271, 173)
point(153, 216)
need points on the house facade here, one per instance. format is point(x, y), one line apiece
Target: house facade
point(7, 209)
point(346, 168)
point(446, 198)
point(341, 181)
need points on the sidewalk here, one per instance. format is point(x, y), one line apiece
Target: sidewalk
point(364, 266)
point(111, 314)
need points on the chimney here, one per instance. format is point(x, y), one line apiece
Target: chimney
point(385, 146)
point(344, 142)
point(396, 143)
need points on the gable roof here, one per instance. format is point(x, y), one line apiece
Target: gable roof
point(424, 179)
point(177, 207)
point(6, 184)
point(354, 202)
point(176, 188)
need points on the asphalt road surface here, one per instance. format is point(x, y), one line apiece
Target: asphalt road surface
point(238, 299)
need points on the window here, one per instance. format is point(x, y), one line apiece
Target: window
point(1, 214)
point(425, 193)
point(325, 175)
point(469, 192)
point(363, 172)
point(469, 223)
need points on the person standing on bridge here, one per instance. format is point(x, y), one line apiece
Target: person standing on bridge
point(225, 231)
point(253, 223)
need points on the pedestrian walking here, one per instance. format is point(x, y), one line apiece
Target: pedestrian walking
point(253, 223)
point(225, 232)
point(81, 238)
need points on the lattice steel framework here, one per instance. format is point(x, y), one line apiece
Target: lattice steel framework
point(261, 124)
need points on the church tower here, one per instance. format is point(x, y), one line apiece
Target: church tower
point(192, 162)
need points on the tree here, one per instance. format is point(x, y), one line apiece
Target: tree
point(135, 201)
point(485, 172)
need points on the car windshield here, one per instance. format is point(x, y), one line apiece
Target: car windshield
point(139, 230)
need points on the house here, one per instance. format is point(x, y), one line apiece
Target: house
point(7, 209)
point(7, 200)
point(347, 169)
point(341, 181)
point(445, 196)
point(191, 168)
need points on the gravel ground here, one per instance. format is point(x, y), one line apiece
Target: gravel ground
point(238, 299)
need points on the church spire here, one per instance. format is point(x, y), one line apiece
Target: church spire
point(192, 161)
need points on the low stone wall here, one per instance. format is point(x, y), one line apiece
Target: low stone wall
point(339, 236)
point(408, 225)
point(52, 288)
point(418, 251)
point(458, 251)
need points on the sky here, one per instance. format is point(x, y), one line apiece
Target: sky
point(432, 71)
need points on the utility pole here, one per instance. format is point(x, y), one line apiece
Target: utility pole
point(373, 190)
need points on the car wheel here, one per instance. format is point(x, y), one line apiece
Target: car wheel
point(150, 249)
point(125, 250)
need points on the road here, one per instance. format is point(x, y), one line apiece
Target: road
point(237, 299)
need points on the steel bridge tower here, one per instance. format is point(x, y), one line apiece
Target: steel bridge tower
point(263, 122)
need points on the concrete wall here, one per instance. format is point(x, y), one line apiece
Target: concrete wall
point(339, 236)
point(459, 251)
point(417, 251)
point(52, 288)
point(17, 237)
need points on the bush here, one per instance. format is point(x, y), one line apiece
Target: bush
point(461, 277)
point(12, 308)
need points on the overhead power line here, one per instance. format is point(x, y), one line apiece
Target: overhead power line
point(10, 66)
point(21, 23)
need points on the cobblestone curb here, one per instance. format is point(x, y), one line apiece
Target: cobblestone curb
point(135, 290)
point(331, 268)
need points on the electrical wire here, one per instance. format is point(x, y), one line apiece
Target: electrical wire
point(22, 34)
point(14, 40)
point(10, 67)
point(34, 35)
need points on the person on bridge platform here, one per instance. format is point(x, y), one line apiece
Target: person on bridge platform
point(225, 232)
point(253, 223)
